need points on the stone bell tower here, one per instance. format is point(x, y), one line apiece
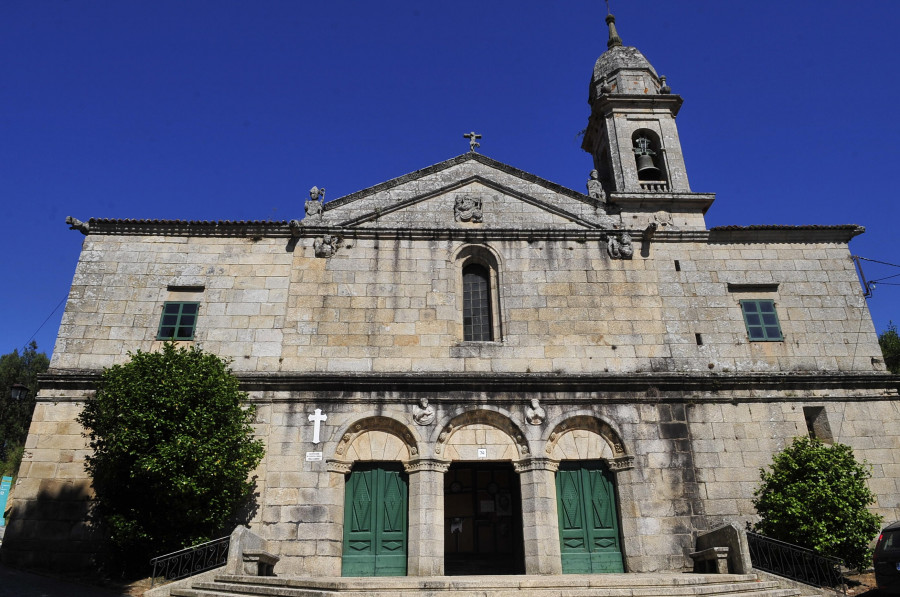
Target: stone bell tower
point(631, 132)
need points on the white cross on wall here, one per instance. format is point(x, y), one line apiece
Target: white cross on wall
point(318, 419)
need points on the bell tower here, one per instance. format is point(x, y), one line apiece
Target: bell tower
point(631, 132)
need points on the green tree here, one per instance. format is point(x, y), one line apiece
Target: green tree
point(815, 495)
point(172, 451)
point(18, 369)
point(889, 341)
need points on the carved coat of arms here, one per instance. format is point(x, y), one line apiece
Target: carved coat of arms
point(467, 209)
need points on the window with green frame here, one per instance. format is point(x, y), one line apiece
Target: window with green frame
point(761, 320)
point(179, 319)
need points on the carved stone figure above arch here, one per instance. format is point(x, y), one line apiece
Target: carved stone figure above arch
point(465, 434)
point(585, 437)
point(377, 438)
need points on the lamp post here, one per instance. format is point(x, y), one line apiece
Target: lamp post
point(18, 392)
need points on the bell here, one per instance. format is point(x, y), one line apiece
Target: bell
point(647, 170)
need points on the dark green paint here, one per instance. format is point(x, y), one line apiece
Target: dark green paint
point(588, 519)
point(375, 523)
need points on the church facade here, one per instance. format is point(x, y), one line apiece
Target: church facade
point(472, 369)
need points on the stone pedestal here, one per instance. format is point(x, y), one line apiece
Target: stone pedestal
point(539, 518)
point(426, 516)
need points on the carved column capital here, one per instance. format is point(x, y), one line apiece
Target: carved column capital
point(426, 464)
point(338, 466)
point(536, 464)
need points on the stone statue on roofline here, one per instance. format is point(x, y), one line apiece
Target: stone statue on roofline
point(315, 205)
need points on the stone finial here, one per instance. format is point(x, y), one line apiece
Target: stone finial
point(614, 39)
point(423, 413)
point(472, 140)
point(76, 224)
point(604, 85)
point(663, 86)
point(535, 414)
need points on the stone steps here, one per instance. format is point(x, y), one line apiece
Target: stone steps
point(597, 585)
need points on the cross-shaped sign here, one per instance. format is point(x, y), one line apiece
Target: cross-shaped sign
point(317, 418)
point(472, 142)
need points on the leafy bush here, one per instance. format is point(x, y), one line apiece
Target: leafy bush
point(15, 415)
point(889, 341)
point(172, 450)
point(815, 496)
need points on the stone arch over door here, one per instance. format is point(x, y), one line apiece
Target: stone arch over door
point(369, 470)
point(590, 493)
point(461, 437)
point(376, 438)
point(586, 437)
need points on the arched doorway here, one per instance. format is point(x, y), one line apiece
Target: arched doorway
point(482, 519)
point(482, 495)
point(588, 451)
point(376, 498)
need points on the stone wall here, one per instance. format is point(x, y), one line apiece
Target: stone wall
point(694, 464)
point(49, 505)
point(395, 305)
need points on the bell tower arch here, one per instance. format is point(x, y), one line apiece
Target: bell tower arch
point(632, 136)
point(626, 97)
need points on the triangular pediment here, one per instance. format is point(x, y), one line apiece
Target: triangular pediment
point(470, 190)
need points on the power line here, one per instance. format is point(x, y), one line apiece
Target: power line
point(876, 261)
point(48, 318)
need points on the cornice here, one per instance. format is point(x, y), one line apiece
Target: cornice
point(622, 387)
point(611, 102)
point(784, 234)
point(672, 202)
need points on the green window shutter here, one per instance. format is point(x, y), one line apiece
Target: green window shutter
point(761, 320)
point(178, 321)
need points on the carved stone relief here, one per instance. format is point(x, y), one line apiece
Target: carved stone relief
point(468, 209)
point(535, 414)
point(423, 413)
point(326, 246)
point(620, 246)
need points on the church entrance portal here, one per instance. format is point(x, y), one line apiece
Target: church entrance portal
point(482, 520)
point(375, 521)
point(588, 518)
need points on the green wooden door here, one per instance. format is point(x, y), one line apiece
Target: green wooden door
point(375, 523)
point(588, 519)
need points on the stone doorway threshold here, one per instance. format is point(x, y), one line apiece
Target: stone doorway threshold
point(569, 585)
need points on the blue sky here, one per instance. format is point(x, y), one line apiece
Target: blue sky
point(233, 110)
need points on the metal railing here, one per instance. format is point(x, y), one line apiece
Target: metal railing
point(795, 562)
point(191, 560)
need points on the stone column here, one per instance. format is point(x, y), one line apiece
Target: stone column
point(426, 516)
point(330, 537)
point(537, 477)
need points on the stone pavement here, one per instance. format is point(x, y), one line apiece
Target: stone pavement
point(17, 583)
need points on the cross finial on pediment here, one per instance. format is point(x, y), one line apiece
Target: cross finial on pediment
point(472, 140)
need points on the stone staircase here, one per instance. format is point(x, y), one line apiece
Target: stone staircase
point(570, 585)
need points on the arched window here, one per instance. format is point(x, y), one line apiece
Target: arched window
point(477, 321)
point(649, 159)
